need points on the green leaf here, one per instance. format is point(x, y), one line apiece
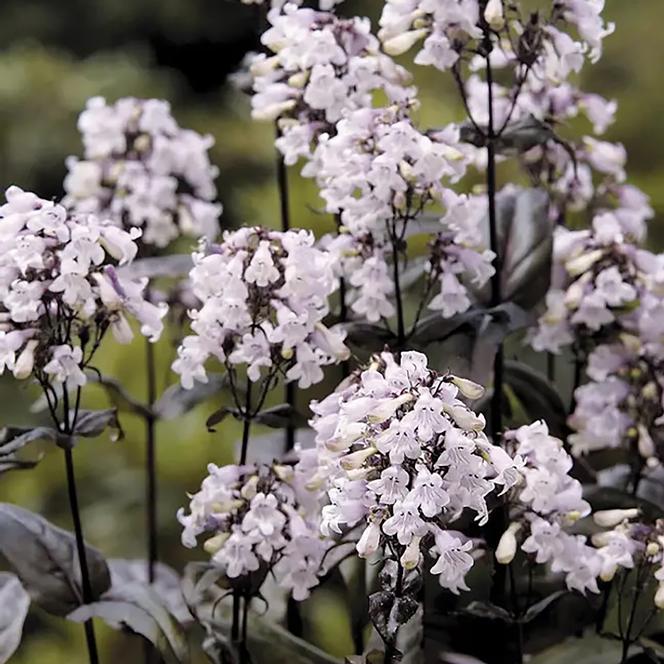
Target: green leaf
point(137, 608)
point(44, 557)
point(176, 400)
point(14, 605)
point(538, 396)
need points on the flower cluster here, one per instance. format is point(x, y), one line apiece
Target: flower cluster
point(402, 457)
point(254, 525)
point(143, 170)
point(621, 405)
point(631, 544)
point(453, 28)
point(59, 290)
point(264, 295)
point(321, 66)
point(544, 505)
point(601, 285)
point(377, 173)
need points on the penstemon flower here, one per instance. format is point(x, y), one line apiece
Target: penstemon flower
point(263, 297)
point(451, 29)
point(402, 458)
point(377, 173)
point(60, 290)
point(320, 67)
point(622, 404)
point(543, 507)
point(601, 285)
point(143, 170)
point(255, 525)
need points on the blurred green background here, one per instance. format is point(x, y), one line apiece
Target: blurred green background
point(57, 54)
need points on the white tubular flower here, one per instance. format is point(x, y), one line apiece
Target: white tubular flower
point(143, 171)
point(406, 476)
point(545, 505)
point(58, 278)
point(254, 522)
point(322, 67)
point(263, 295)
point(621, 405)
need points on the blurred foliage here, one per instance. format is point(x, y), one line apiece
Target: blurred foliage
point(57, 54)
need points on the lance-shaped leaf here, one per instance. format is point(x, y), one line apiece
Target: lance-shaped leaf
point(11, 462)
point(167, 583)
point(368, 337)
point(137, 608)
point(538, 396)
point(539, 607)
point(525, 245)
point(174, 265)
point(14, 605)
point(121, 399)
point(280, 417)
point(177, 401)
point(92, 423)
point(45, 559)
point(12, 439)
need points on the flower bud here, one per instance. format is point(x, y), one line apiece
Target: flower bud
point(403, 42)
point(468, 388)
point(493, 14)
point(287, 353)
point(580, 264)
point(507, 545)
point(263, 66)
point(646, 443)
point(410, 558)
point(26, 360)
point(659, 596)
point(215, 543)
point(248, 491)
point(142, 143)
point(611, 518)
point(298, 80)
point(652, 549)
point(387, 407)
point(284, 473)
point(370, 540)
point(356, 459)
point(273, 111)
point(464, 417)
point(650, 391)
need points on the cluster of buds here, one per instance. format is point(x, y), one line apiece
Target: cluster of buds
point(254, 525)
point(321, 66)
point(60, 291)
point(402, 458)
point(263, 297)
point(142, 170)
point(622, 404)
